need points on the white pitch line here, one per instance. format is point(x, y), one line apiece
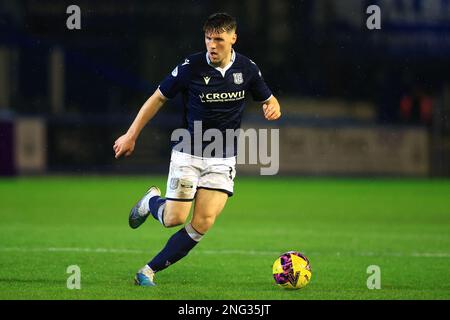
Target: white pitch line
point(237, 252)
point(92, 250)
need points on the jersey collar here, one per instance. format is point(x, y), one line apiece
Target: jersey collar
point(224, 69)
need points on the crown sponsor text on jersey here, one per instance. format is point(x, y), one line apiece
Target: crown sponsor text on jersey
point(223, 96)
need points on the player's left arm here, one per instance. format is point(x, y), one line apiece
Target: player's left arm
point(260, 91)
point(271, 109)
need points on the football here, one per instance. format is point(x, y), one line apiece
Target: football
point(292, 270)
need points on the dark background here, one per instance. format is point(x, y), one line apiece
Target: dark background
point(318, 50)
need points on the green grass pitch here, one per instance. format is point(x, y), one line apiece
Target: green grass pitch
point(342, 225)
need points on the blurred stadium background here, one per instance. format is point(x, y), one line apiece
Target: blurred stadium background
point(356, 103)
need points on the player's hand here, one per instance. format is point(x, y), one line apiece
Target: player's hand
point(272, 111)
point(124, 145)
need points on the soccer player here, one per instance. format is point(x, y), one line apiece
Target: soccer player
point(214, 84)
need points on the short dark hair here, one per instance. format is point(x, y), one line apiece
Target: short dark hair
point(220, 22)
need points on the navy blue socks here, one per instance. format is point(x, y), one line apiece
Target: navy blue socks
point(156, 205)
point(177, 247)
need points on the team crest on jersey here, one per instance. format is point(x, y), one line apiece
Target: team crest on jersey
point(174, 183)
point(238, 79)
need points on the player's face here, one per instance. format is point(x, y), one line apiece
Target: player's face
point(219, 47)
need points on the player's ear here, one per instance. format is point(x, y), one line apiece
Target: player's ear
point(233, 38)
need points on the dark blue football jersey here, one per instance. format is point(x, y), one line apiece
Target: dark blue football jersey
point(215, 96)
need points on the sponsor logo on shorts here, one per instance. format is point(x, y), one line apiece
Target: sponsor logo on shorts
point(185, 184)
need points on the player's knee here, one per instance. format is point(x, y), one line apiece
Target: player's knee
point(175, 215)
point(173, 220)
point(203, 224)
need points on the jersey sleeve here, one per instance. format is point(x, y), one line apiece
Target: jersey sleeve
point(258, 87)
point(175, 82)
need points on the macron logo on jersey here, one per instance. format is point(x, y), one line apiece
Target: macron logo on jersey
point(222, 97)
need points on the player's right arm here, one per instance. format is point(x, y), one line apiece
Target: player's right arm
point(124, 145)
